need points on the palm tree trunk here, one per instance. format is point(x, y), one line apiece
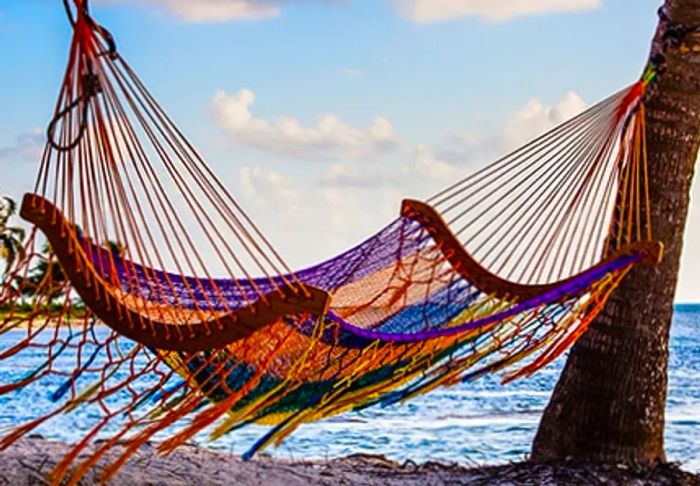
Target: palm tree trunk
point(610, 401)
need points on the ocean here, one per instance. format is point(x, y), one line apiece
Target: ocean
point(474, 424)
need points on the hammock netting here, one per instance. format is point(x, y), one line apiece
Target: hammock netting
point(209, 329)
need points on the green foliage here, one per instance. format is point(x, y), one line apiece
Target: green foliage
point(45, 284)
point(46, 279)
point(11, 237)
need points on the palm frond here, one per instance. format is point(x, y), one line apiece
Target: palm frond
point(17, 232)
point(8, 251)
point(8, 207)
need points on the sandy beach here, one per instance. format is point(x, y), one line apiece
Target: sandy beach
point(29, 462)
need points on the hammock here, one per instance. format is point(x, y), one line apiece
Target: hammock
point(509, 265)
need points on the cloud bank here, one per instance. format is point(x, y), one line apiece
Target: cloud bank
point(419, 11)
point(426, 11)
point(27, 147)
point(328, 138)
point(350, 199)
point(217, 10)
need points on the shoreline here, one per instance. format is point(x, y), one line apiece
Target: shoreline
point(30, 460)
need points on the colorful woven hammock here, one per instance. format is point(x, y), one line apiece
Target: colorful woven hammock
point(507, 266)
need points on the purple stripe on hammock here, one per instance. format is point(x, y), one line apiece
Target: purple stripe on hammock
point(396, 241)
point(574, 287)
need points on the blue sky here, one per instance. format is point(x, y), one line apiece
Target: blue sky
point(321, 115)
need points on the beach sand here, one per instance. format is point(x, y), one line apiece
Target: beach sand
point(29, 462)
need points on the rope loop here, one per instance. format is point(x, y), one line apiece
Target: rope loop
point(90, 83)
point(91, 87)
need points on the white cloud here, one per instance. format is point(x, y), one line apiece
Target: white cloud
point(351, 72)
point(217, 10)
point(18, 163)
point(425, 11)
point(210, 10)
point(269, 188)
point(328, 138)
point(421, 11)
point(309, 221)
point(352, 174)
point(27, 147)
point(311, 218)
point(530, 121)
point(689, 284)
point(535, 118)
point(427, 167)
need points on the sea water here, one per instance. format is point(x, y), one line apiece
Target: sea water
point(475, 423)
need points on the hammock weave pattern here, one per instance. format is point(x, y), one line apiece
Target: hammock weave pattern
point(211, 330)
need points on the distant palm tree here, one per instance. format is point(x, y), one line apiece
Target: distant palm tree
point(11, 238)
point(115, 247)
point(46, 280)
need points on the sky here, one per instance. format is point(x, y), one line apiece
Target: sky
point(322, 115)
